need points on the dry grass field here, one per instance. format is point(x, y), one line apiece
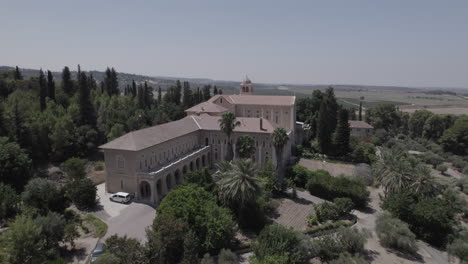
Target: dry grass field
point(455, 110)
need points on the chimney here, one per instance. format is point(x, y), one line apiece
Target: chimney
point(261, 124)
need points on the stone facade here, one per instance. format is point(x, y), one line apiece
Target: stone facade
point(151, 161)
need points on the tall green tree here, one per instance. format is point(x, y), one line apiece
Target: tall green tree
point(280, 139)
point(228, 123)
point(87, 114)
point(245, 147)
point(111, 83)
point(206, 92)
point(14, 164)
point(360, 111)
point(42, 90)
point(215, 90)
point(342, 133)
point(50, 86)
point(327, 120)
point(22, 243)
point(455, 139)
point(159, 95)
point(417, 121)
point(177, 93)
point(18, 76)
point(9, 203)
point(67, 83)
point(134, 89)
point(187, 97)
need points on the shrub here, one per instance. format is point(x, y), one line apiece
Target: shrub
point(212, 224)
point(394, 233)
point(299, 175)
point(459, 246)
point(207, 259)
point(278, 241)
point(351, 240)
point(347, 259)
point(226, 256)
point(363, 172)
point(44, 195)
point(75, 168)
point(127, 250)
point(430, 218)
point(442, 168)
point(82, 193)
point(363, 153)
point(463, 184)
point(343, 205)
point(432, 158)
point(8, 203)
point(465, 170)
point(457, 161)
point(323, 185)
point(99, 166)
point(326, 211)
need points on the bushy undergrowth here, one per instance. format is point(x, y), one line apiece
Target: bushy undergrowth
point(394, 233)
point(325, 186)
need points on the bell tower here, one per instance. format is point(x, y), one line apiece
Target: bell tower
point(246, 86)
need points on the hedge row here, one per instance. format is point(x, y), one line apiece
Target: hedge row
point(320, 183)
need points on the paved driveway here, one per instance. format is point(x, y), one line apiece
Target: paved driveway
point(124, 219)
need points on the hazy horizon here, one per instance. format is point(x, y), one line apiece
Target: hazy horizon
point(398, 43)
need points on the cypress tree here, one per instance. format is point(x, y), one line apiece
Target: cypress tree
point(141, 97)
point(2, 121)
point(332, 108)
point(187, 96)
point(18, 76)
point(360, 111)
point(148, 95)
point(134, 88)
point(87, 115)
point(342, 133)
point(67, 83)
point(159, 95)
point(42, 90)
point(220, 91)
point(215, 90)
point(111, 83)
point(50, 86)
point(323, 128)
point(92, 85)
point(206, 92)
point(177, 93)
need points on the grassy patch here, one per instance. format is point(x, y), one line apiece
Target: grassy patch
point(99, 225)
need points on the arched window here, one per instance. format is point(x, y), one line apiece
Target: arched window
point(206, 141)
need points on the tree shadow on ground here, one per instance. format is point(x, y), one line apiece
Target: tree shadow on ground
point(370, 255)
point(406, 255)
point(75, 253)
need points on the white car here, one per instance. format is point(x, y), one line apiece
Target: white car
point(121, 197)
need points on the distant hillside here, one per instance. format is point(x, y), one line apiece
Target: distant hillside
point(232, 86)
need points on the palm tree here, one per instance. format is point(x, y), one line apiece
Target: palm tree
point(228, 123)
point(237, 185)
point(280, 138)
point(423, 181)
point(393, 171)
point(245, 147)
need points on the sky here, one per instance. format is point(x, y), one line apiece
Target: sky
point(417, 43)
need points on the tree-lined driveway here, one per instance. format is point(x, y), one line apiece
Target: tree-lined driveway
point(124, 219)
